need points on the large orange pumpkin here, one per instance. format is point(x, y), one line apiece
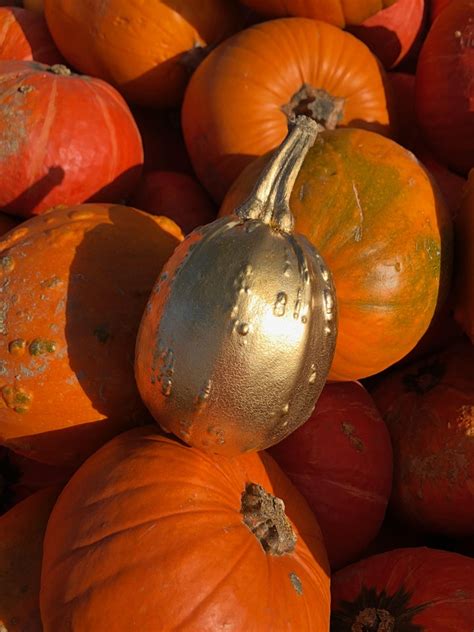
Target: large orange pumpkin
point(25, 36)
point(150, 534)
point(239, 100)
point(464, 228)
point(75, 283)
point(338, 12)
point(21, 548)
point(384, 232)
point(146, 49)
point(64, 139)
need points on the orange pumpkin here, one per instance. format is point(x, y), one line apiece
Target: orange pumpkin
point(150, 534)
point(25, 36)
point(239, 100)
point(145, 49)
point(464, 230)
point(384, 232)
point(21, 547)
point(76, 281)
point(338, 12)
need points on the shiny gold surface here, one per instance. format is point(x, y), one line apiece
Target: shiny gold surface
point(239, 333)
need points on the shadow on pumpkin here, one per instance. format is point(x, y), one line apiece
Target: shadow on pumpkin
point(35, 193)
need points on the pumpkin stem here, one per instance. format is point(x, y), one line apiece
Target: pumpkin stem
point(264, 515)
point(270, 200)
point(317, 103)
point(60, 69)
point(373, 620)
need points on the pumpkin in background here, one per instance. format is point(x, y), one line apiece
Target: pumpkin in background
point(464, 230)
point(25, 36)
point(7, 223)
point(76, 281)
point(428, 407)
point(394, 32)
point(341, 461)
point(146, 49)
point(337, 12)
point(176, 195)
point(413, 589)
point(385, 234)
point(445, 86)
point(21, 548)
point(240, 99)
point(152, 535)
point(34, 5)
point(436, 6)
point(67, 139)
point(163, 142)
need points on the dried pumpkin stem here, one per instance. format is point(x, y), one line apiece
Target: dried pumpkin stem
point(264, 515)
point(374, 620)
point(270, 199)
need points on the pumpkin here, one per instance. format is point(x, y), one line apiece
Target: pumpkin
point(7, 223)
point(21, 547)
point(410, 589)
point(464, 227)
point(34, 5)
point(384, 232)
point(25, 36)
point(394, 32)
point(147, 50)
point(436, 6)
point(240, 99)
point(176, 195)
point(163, 142)
point(445, 87)
point(428, 407)
point(341, 461)
point(130, 541)
point(75, 281)
point(337, 12)
point(255, 302)
point(94, 150)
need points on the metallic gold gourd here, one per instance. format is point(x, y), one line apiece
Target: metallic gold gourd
point(239, 332)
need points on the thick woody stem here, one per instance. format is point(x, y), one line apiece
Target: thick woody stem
point(270, 199)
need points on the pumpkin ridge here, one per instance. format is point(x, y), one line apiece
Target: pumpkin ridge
point(41, 147)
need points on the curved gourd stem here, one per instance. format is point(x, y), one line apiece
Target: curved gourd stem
point(269, 201)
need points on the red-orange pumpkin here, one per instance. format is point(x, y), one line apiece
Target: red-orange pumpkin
point(176, 195)
point(21, 548)
point(385, 234)
point(239, 100)
point(338, 12)
point(25, 36)
point(147, 50)
point(428, 407)
point(445, 86)
point(411, 590)
point(64, 139)
point(150, 534)
point(436, 6)
point(341, 461)
point(394, 32)
point(464, 228)
point(75, 284)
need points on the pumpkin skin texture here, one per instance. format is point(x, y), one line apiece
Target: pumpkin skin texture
point(146, 49)
point(392, 33)
point(428, 407)
point(176, 195)
point(25, 36)
point(341, 461)
point(445, 87)
point(233, 107)
point(385, 234)
point(183, 527)
point(464, 229)
point(412, 590)
point(66, 139)
point(76, 283)
point(335, 12)
point(7, 223)
point(21, 547)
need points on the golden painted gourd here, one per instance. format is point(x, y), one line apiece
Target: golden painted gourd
point(239, 332)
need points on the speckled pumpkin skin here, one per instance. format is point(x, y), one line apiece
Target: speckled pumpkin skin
point(383, 230)
point(74, 284)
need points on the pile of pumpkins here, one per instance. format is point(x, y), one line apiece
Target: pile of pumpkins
point(237, 316)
